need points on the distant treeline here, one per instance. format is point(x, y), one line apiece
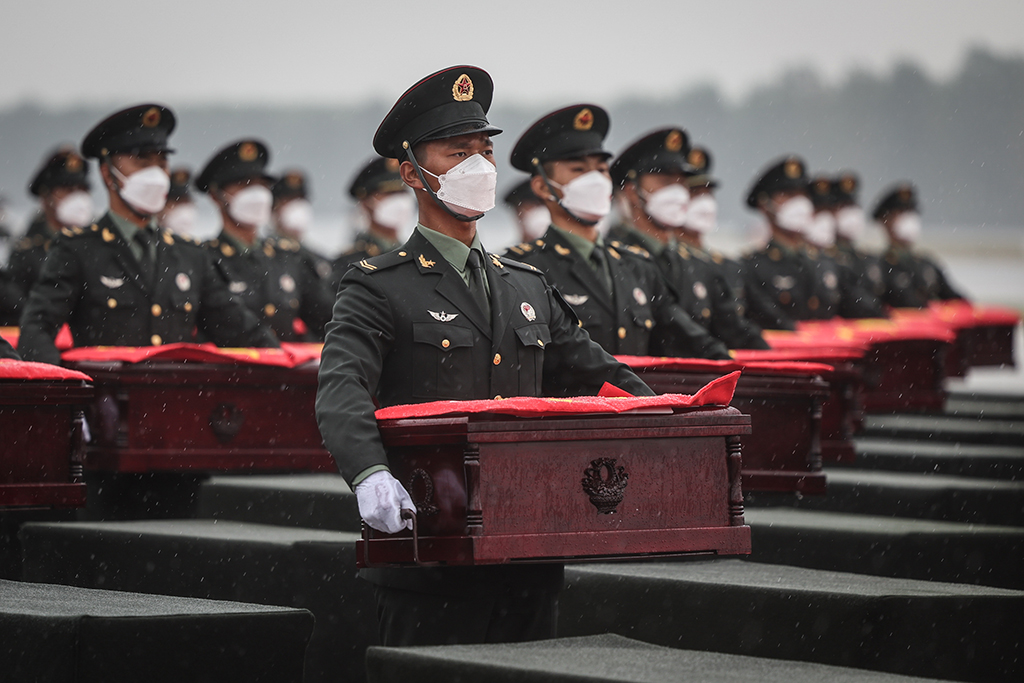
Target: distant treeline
point(960, 140)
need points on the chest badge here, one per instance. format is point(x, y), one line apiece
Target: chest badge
point(784, 281)
point(699, 290)
point(527, 311)
point(237, 287)
point(183, 281)
point(111, 282)
point(443, 317)
point(287, 283)
point(830, 280)
point(576, 299)
point(640, 296)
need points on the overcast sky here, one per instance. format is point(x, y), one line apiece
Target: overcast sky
point(66, 52)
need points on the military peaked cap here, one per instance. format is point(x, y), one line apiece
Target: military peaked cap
point(662, 151)
point(445, 104)
point(378, 175)
point(180, 180)
point(784, 175)
point(900, 197)
point(820, 189)
point(845, 188)
point(699, 160)
point(238, 161)
point(144, 127)
point(290, 185)
point(521, 194)
point(569, 133)
point(63, 168)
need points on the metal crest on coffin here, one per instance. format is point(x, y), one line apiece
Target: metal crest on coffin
point(605, 494)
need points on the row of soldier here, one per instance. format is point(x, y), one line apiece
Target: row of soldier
point(647, 286)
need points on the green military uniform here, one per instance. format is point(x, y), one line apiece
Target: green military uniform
point(782, 287)
point(291, 185)
point(29, 253)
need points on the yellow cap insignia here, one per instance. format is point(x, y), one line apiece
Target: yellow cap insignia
point(584, 120)
point(848, 183)
point(151, 118)
point(73, 163)
point(425, 262)
point(697, 158)
point(180, 177)
point(822, 186)
point(248, 152)
point(674, 141)
point(905, 194)
point(462, 89)
point(294, 180)
point(792, 168)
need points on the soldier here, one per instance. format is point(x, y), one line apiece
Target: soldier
point(292, 217)
point(850, 225)
point(386, 206)
point(651, 176)
point(179, 216)
point(123, 281)
point(620, 296)
point(267, 275)
point(911, 280)
point(440, 318)
point(62, 186)
point(532, 216)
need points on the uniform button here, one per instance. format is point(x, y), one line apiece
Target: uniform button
point(188, 306)
point(813, 303)
point(402, 253)
point(155, 340)
point(622, 333)
point(784, 298)
point(540, 343)
point(497, 359)
point(270, 309)
point(648, 324)
point(156, 310)
point(706, 313)
point(445, 343)
point(111, 303)
point(294, 303)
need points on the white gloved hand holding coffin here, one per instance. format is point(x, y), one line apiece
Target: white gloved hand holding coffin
point(381, 499)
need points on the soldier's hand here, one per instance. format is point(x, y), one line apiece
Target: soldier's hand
point(381, 499)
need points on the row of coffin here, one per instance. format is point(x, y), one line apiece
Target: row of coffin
point(486, 485)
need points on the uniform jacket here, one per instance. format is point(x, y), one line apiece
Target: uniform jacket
point(866, 267)
point(912, 280)
point(366, 245)
point(641, 316)
point(840, 290)
point(274, 281)
point(91, 281)
point(29, 253)
point(781, 287)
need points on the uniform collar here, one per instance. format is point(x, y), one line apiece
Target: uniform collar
point(240, 246)
point(454, 252)
point(581, 244)
point(653, 245)
point(126, 228)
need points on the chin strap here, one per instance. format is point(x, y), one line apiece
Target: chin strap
point(110, 166)
point(426, 186)
point(551, 192)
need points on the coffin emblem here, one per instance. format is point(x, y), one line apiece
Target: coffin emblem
point(425, 503)
point(226, 421)
point(605, 484)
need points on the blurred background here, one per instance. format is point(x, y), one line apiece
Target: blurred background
point(925, 90)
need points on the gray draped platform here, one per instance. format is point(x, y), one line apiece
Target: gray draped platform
point(601, 659)
point(61, 634)
point(314, 501)
point(961, 632)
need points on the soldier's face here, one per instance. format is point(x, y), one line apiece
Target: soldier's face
point(53, 196)
point(700, 190)
point(440, 156)
point(130, 163)
point(565, 170)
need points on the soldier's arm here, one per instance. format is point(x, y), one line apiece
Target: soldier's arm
point(761, 305)
point(359, 337)
point(7, 351)
point(727, 322)
point(946, 290)
point(678, 334)
point(51, 300)
point(222, 318)
point(317, 300)
point(857, 301)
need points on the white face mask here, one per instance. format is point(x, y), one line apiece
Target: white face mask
point(588, 196)
point(181, 219)
point(75, 210)
point(822, 231)
point(702, 215)
point(251, 206)
point(907, 226)
point(535, 222)
point(850, 222)
point(668, 205)
point(396, 211)
point(795, 214)
point(296, 215)
point(145, 190)
point(468, 188)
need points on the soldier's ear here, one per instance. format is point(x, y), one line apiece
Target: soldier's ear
point(409, 175)
point(541, 189)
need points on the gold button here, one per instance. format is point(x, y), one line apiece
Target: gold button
point(155, 340)
point(111, 303)
point(497, 359)
point(813, 303)
point(622, 333)
point(188, 306)
point(156, 310)
point(784, 298)
point(648, 323)
point(294, 303)
point(402, 253)
point(540, 343)
point(445, 343)
point(706, 313)
point(270, 309)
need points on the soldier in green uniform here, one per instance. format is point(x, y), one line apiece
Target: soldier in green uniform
point(386, 206)
point(911, 279)
point(122, 281)
point(441, 318)
point(532, 216)
point(619, 294)
point(267, 275)
point(62, 186)
point(850, 226)
point(179, 216)
point(292, 217)
point(651, 175)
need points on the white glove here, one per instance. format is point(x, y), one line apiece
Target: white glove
point(381, 499)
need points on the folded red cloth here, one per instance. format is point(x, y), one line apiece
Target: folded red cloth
point(19, 369)
point(200, 353)
point(718, 392)
point(749, 366)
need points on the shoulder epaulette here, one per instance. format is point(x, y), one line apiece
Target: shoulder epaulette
point(518, 264)
point(639, 251)
point(717, 257)
point(539, 243)
point(78, 232)
point(384, 261)
point(287, 244)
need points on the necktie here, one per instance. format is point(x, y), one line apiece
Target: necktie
point(599, 263)
point(146, 262)
point(476, 282)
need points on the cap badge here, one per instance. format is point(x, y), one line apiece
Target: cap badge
point(443, 317)
point(674, 141)
point(462, 89)
point(822, 186)
point(248, 152)
point(697, 158)
point(180, 177)
point(905, 194)
point(792, 168)
point(640, 296)
point(584, 120)
point(294, 180)
point(183, 281)
point(151, 118)
point(73, 163)
point(848, 184)
point(528, 311)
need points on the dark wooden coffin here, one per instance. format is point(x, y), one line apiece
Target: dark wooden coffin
point(42, 445)
point(905, 375)
point(165, 416)
point(496, 489)
point(783, 451)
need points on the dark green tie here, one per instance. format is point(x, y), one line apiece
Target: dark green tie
point(599, 263)
point(476, 282)
point(147, 263)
